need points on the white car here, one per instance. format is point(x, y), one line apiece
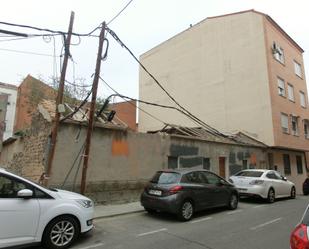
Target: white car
point(30, 213)
point(268, 184)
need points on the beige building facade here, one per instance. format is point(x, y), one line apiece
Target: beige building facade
point(239, 71)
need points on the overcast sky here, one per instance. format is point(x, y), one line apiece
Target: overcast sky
point(143, 25)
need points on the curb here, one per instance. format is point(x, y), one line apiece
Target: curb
point(117, 214)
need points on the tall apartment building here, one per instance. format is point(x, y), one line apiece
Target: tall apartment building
point(239, 71)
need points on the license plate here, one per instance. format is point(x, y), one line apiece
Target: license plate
point(155, 192)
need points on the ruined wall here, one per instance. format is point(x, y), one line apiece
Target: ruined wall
point(26, 156)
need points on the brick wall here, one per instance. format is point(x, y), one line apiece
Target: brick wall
point(126, 112)
point(30, 93)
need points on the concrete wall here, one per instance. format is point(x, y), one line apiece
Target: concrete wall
point(218, 70)
point(122, 162)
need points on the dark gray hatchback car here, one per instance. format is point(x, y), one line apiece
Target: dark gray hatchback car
point(185, 191)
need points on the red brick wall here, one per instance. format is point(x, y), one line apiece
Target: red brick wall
point(30, 92)
point(126, 112)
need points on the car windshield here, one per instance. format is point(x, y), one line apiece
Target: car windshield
point(165, 177)
point(250, 173)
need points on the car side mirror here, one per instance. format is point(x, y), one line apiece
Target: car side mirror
point(284, 178)
point(25, 193)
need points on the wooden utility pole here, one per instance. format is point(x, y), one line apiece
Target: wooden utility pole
point(59, 99)
point(92, 109)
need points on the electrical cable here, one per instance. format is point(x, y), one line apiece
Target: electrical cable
point(77, 109)
point(188, 113)
point(78, 167)
point(54, 32)
point(25, 52)
point(75, 160)
point(77, 85)
point(113, 19)
point(15, 39)
point(159, 105)
point(55, 66)
point(118, 94)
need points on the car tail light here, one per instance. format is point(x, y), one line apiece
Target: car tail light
point(299, 238)
point(256, 182)
point(175, 189)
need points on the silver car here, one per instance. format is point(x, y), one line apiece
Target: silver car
point(268, 184)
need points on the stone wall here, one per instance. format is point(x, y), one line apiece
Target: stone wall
point(26, 154)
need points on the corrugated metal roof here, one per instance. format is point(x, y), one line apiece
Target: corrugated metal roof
point(239, 138)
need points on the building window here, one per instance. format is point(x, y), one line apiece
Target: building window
point(206, 163)
point(285, 123)
point(278, 53)
point(172, 162)
point(299, 164)
point(291, 92)
point(270, 160)
point(306, 128)
point(286, 164)
point(302, 99)
point(244, 164)
point(297, 69)
point(294, 126)
point(281, 87)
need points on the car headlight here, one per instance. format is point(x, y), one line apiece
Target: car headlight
point(85, 203)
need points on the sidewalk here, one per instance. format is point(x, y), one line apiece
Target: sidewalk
point(104, 211)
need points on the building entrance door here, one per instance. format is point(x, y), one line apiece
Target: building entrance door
point(222, 167)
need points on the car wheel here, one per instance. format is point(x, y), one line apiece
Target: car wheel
point(293, 193)
point(186, 211)
point(61, 232)
point(233, 202)
point(271, 196)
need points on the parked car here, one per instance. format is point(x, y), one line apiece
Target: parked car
point(268, 184)
point(300, 235)
point(30, 213)
point(185, 191)
point(306, 186)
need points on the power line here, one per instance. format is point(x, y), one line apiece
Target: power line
point(15, 39)
point(77, 85)
point(120, 12)
point(157, 105)
point(185, 111)
point(25, 52)
point(121, 96)
point(54, 32)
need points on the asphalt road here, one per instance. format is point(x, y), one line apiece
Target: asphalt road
point(255, 224)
